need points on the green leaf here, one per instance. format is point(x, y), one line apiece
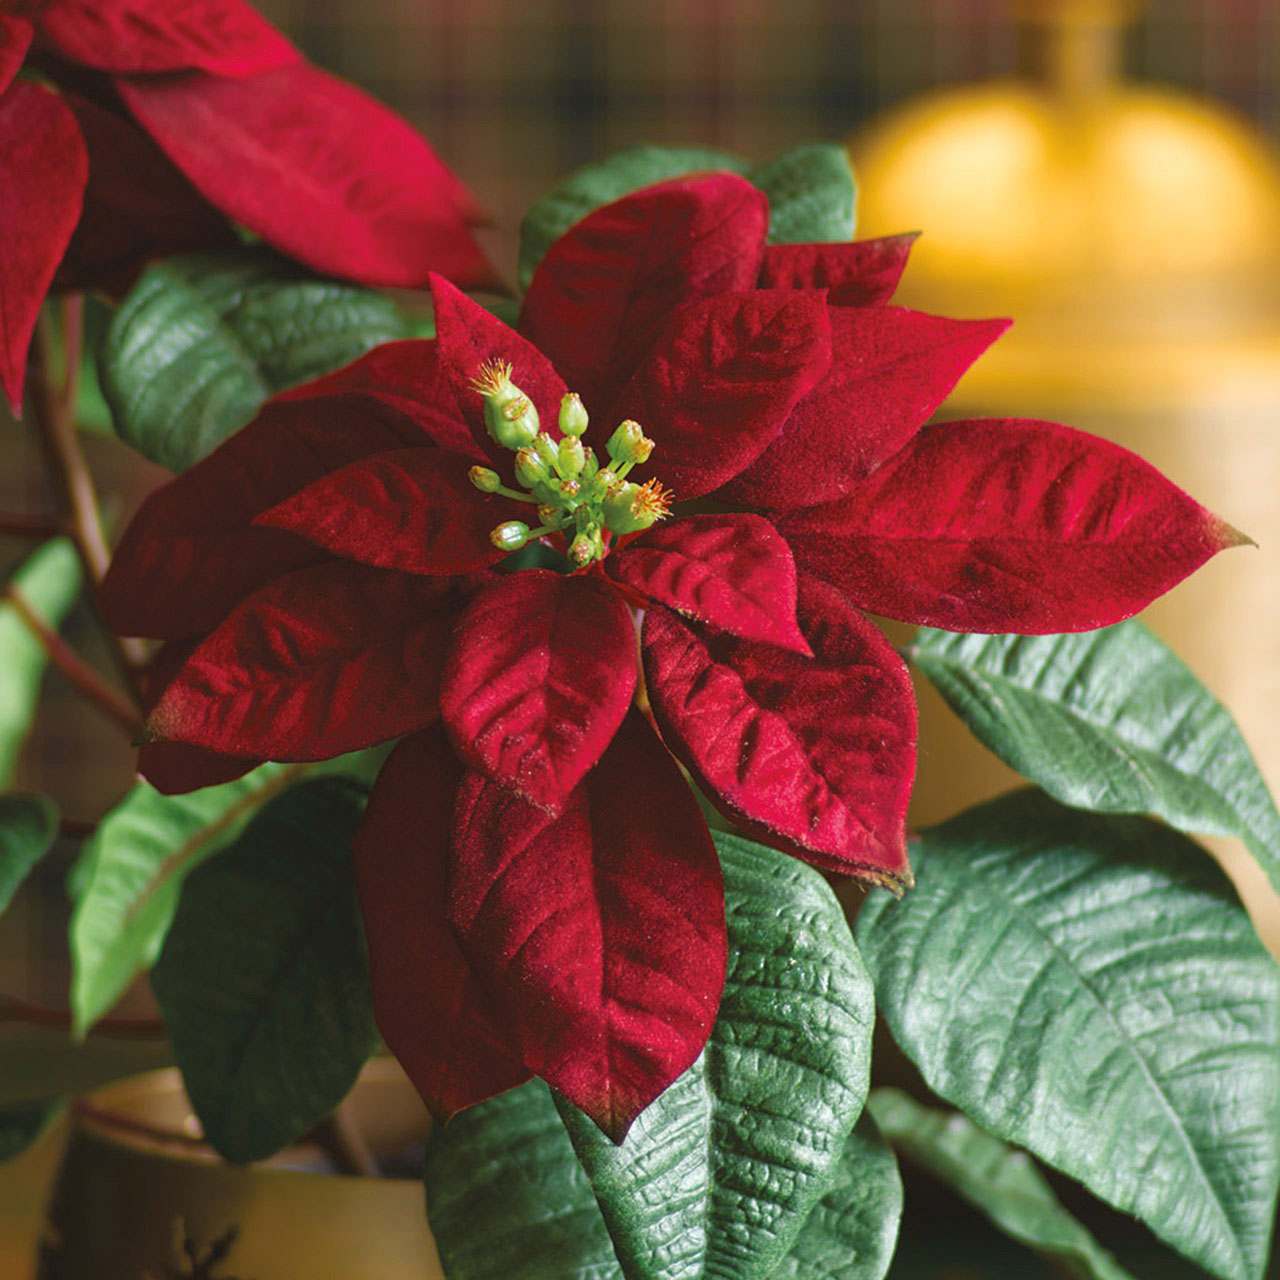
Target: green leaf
point(204, 338)
point(22, 1123)
point(264, 979)
point(1090, 988)
point(599, 184)
point(506, 1196)
point(28, 828)
point(132, 870)
point(998, 1181)
point(49, 581)
point(1111, 721)
point(852, 1231)
point(718, 1175)
point(812, 194)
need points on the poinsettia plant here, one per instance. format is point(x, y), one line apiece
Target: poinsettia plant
point(509, 694)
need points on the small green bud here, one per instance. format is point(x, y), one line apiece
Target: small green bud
point(485, 480)
point(590, 466)
point(549, 515)
point(601, 483)
point(510, 536)
point(530, 468)
point(573, 415)
point(546, 448)
point(586, 547)
point(569, 488)
point(509, 415)
point(629, 443)
point(628, 507)
point(572, 456)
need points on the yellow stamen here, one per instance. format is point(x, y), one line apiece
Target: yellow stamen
point(492, 377)
point(652, 500)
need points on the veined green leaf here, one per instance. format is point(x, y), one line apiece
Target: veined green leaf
point(717, 1176)
point(506, 1196)
point(997, 1180)
point(812, 194)
point(264, 978)
point(1111, 721)
point(49, 580)
point(28, 828)
point(22, 1123)
point(204, 338)
point(1091, 989)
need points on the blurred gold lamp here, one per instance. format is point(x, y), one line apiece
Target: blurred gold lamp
point(1133, 233)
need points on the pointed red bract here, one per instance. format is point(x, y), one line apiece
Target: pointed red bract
point(540, 674)
point(317, 169)
point(608, 288)
point(890, 370)
point(330, 659)
point(137, 206)
point(225, 37)
point(407, 376)
point(412, 509)
point(1007, 525)
point(45, 167)
point(430, 1008)
point(15, 39)
point(600, 932)
point(862, 274)
point(722, 381)
point(813, 755)
point(190, 553)
point(733, 572)
point(467, 336)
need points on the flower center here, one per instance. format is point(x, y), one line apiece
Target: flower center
point(585, 501)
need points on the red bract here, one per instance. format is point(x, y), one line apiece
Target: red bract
point(321, 550)
point(234, 125)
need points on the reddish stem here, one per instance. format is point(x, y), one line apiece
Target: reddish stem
point(13, 1009)
point(81, 675)
point(20, 525)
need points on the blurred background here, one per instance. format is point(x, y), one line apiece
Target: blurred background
point(1134, 233)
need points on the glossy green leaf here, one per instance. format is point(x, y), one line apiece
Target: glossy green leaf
point(811, 193)
point(49, 580)
point(264, 978)
point(1091, 989)
point(203, 339)
point(852, 1231)
point(131, 872)
point(997, 1180)
point(506, 1196)
point(28, 828)
point(1111, 721)
point(599, 184)
point(717, 1176)
point(22, 1123)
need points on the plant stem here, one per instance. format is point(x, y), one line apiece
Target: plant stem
point(339, 1135)
point(14, 1010)
point(19, 525)
point(55, 423)
point(82, 676)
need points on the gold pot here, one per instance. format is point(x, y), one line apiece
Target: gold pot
point(138, 1191)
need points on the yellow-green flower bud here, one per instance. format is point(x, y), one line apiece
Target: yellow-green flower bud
point(601, 483)
point(572, 456)
point(629, 443)
point(485, 480)
point(510, 536)
point(573, 415)
point(546, 448)
point(550, 515)
point(530, 468)
point(509, 415)
point(586, 547)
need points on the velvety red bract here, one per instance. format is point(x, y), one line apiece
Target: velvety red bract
point(318, 169)
point(604, 294)
point(540, 674)
point(192, 553)
point(814, 754)
point(732, 572)
point(864, 273)
point(45, 168)
point(599, 932)
point(431, 1009)
point(468, 335)
point(1007, 525)
point(224, 37)
point(326, 660)
point(412, 509)
point(722, 381)
point(890, 370)
point(15, 39)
